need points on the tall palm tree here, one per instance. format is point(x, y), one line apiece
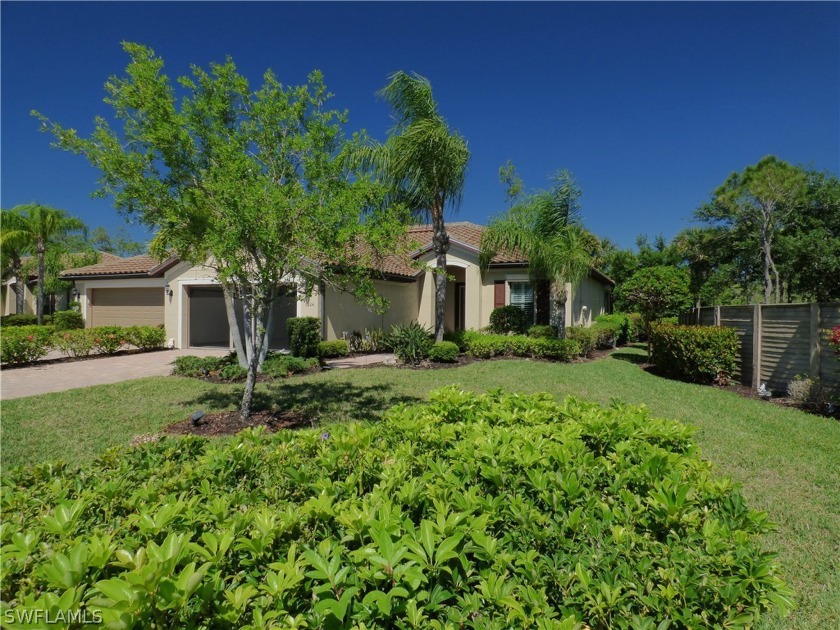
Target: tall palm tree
point(424, 163)
point(546, 229)
point(40, 226)
point(13, 247)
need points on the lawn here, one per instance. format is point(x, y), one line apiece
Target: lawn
point(787, 461)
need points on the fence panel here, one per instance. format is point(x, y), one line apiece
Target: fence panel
point(785, 343)
point(741, 319)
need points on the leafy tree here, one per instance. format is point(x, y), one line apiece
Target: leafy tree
point(40, 227)
point(14, 245)
point(512, 182)
point(423, 163)
point(256, 184)
point(657, 292)
point(759, 201)
point(546, 229)
point(120, 243)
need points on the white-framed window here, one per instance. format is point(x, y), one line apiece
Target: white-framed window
point(522, 296)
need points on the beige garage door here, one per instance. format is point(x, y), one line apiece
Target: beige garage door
point(127, 307)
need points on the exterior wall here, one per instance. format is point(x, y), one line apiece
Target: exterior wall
point(85, 290)
point(9, 299)
point(589, 294)
point(177, 316)
point(488, 288)
point(344, 314)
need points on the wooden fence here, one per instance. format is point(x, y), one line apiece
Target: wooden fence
point(777, 341)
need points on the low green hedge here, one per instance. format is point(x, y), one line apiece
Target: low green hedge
point(146, 337)
point(23, 319)
point(508, 319)
point(24, 344)
point(333, 349)
point(587, 338)
point(701, 354)
point(545, 332)
point(304, 336)
point(470, 511)
point(444, 352)
point(488, 346)
point(68, 320)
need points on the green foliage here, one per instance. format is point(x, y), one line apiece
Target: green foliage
point(607, 333)
point(110, 339)
point(701, 354)
point(365, 341)
point(544, 332)
point(636, 331)
point(19, 319)
point(333, 349)
point(474, 511)
point(200, 367)
point(232, 372)
point(304, 336)
point(620, 323)
point(74, 343)
point(23, 344)
point(489, 346)
point(587, 338)
point(411, 342)
point(461, 337)
point(508, 319)
point(657, 292)
point(67, 320)
point(146, 337)
point(281, 366)
point(444, 352)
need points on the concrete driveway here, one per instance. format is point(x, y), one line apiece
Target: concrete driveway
point(58, 377)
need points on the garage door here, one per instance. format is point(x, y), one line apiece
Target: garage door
point(127, 307)
point(208, 317)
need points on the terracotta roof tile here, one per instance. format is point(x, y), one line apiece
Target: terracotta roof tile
point(111, 265)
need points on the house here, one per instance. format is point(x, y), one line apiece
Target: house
point(188, 300)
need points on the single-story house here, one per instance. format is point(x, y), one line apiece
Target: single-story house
point(188, 300)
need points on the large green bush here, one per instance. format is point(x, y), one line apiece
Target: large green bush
point(508, 319)
point(74, 343)
point(110, 339)
point(587, 338)
point(443, 352)
point(619, 322)
point(489, 346)
point(24, 344)
point(304, 336)
point(702, 354)
point(19, 319)
point(67, 320)
point(333, 349)
point(494, 511)
point(146, 337)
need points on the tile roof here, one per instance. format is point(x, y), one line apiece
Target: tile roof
point(111, 265)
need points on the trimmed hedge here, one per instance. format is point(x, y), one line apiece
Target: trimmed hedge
point(146, 337)
point(304, 336)
point(24, 344)
point(333, 349)
point(74, 343)
point(444, 352)
point(508, 319)
point(68, 320)
point(470, 511)
point(488, 346)
point(701, 354)
point(587, 338)
point(619, 322)
point(544, 332)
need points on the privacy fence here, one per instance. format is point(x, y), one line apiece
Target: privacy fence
point(778, 341)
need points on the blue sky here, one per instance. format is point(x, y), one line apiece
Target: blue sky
point(650, 105)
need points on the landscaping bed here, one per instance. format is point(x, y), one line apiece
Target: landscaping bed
point(231, 423)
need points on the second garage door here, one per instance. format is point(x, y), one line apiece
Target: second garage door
point(127, 307)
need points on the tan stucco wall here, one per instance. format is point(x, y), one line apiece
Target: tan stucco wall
point(9, 299)
point(345, 314)
point(589, 293)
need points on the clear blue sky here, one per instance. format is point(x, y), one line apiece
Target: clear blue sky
point(651, 106)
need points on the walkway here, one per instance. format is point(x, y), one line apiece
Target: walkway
point(361, 360)
point(58, 377)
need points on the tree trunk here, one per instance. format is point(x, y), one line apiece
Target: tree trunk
point(768, 282)
point(559, 298)
point(252, 357)
point(19, 286)
point(39, 307)
point(440, 244)
point(268, 325)
point(234, 326)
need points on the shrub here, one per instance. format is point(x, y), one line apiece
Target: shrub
point(636, 329)
point(333, 349)
point(109, 339)
point(508, 319)
point(24, 344)
point(304, 336)
point(618, 322)
point(19, 319)
point(280, 366)
point(812, 393)
point(74, 343)
point(67, 320)
point(233, 372)
point(146, 337)
point(444, 352)
point(543, 332)
point(411, 342)
point(587, 338)
point(460, 337)
point(834, 339)
point(194, 366)
point(489, 346)
point(702, 354)
point(491, 511)
point(373, 340)
point(606, 334)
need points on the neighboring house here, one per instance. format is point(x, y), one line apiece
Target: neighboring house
point(188, 300)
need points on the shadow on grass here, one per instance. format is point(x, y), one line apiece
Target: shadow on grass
point(632, 357)
point(323, 400)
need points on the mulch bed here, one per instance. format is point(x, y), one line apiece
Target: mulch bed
point(230, 423)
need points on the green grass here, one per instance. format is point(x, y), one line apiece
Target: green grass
point(787, 461)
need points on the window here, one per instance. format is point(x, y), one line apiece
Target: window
point(522, 295)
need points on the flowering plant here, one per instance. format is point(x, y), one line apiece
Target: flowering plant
point(834, 339)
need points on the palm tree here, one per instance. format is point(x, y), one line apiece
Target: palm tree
point(38, 227)
point(13, 246)
point(423, 163)
point(546, 229)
